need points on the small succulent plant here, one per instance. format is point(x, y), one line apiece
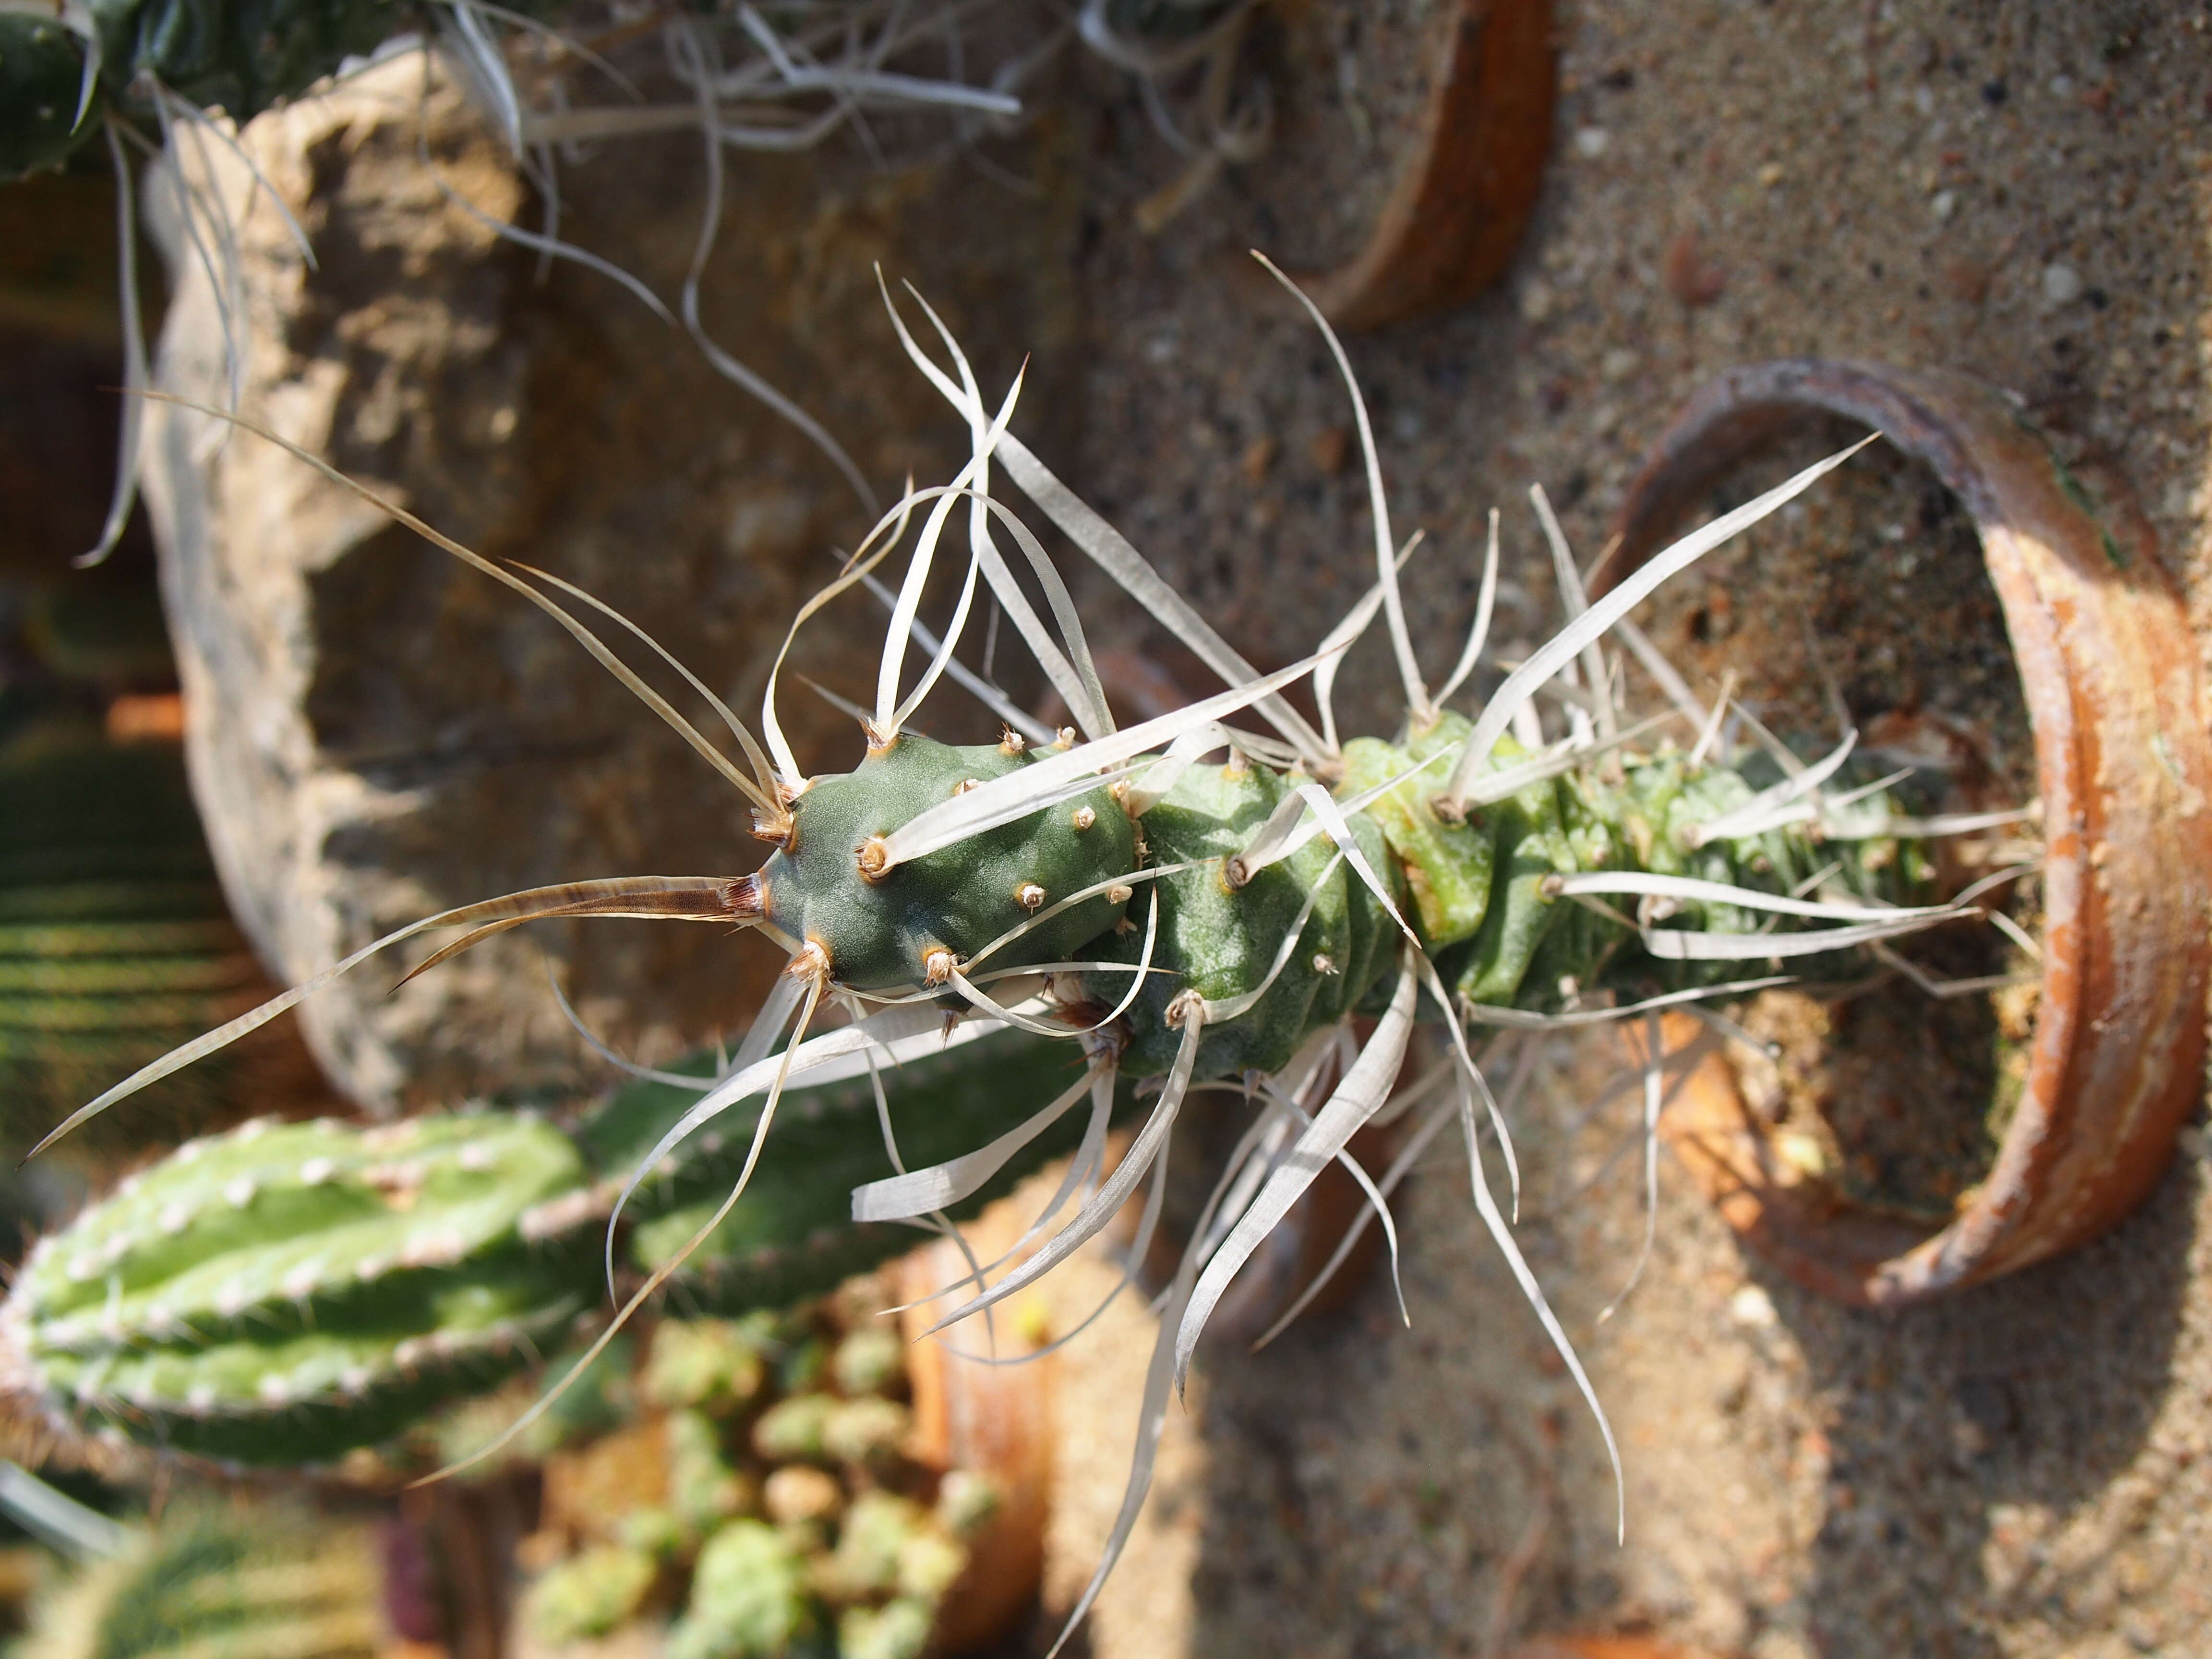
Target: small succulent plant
point(790, 1519)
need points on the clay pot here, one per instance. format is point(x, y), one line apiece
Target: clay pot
point(1600, 1647)
point(1467, 187)
point(2113, 688)
point(992, 1420)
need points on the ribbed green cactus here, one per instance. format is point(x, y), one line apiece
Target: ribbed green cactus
point(279, 1295)
point(283, 1293)
point(795, 1526)
point(41, 72)
point(221, 1581)
point(115, 946)
point(791, 1236)
point(239, 56)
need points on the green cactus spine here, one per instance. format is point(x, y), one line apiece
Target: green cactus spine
point(41, 75)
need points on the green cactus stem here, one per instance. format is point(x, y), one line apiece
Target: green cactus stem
point(222, 1582)
point(283, 1294)
point(791, 1236)
point(878, 930)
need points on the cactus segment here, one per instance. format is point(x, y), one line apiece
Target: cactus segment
point(115, 947)
point(1533, 948)
point(715, 1365)
point(1222, 942)
point(793, 1518)
point(41, 71)
point(1447, 866)
point(590, 1593)
point(240, 56)
point(879, 934)
point(1480, 901)
point(282, 1295)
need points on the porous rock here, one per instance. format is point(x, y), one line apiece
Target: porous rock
point(376, 733)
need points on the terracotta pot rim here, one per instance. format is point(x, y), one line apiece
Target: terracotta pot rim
point(1464, 195)
point(2110, 674)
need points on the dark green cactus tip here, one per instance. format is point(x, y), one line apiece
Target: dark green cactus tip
point(238, 55)
point(882, 933)
point(42, 79)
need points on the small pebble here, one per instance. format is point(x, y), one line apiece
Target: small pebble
point(1329, 447)
point(1752, 1308)
point(1590, 142)
point(797, 1494)
point(1689, 276)
point(1969, 281)
point(2061, 284)
point(1943, 204)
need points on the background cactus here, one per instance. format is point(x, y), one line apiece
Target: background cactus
point(240, 56)
point(791, 1235)
point(283, 1293)
point(115, 946)
point(222, 1581)
point(785, 1516)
